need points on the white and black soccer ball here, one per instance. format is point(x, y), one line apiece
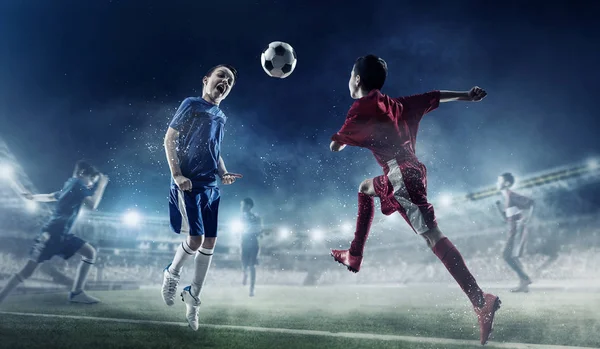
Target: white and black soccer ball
point(278, 59)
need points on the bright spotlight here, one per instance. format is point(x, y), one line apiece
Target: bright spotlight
point(593, 164)
point(347, 227)
point(446, 200)
point(131, 218)
point(6, 171)
point(283, 233)
point(31, 206)
point(316, 235)
point(237, 226)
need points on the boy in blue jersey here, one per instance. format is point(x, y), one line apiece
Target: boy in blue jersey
point(85, 187)
point(193, 149)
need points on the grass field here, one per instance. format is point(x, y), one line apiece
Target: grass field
point(349, 317)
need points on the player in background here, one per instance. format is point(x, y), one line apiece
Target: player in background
point(517, 212)
point(388, 128)
point(85, 187)
point(253, 228)
point(193, 149)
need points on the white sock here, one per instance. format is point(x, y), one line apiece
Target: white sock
point(12, 283)
point(82, 273)
point(183, 253)
point(203, 259)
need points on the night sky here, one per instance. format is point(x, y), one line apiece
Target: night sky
point(101, 80)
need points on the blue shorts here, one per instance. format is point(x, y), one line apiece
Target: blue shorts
point(195, 212)
point(48, 245)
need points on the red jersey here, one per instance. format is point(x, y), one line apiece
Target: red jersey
point(386, 126)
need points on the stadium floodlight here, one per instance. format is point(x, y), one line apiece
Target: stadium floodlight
point(31, 206)
point(316, 235)
point(237, 226)
point(131, 218)
point(6, 171)
point(593, 164)
point(284, 233)
point(446, 200)
point(347, 227)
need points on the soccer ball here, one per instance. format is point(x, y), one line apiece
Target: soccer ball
point(278, 59)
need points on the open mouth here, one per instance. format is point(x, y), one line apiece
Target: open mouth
point(220, 88)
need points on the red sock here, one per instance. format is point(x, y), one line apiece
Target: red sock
point(366, 210)
point(453, 261)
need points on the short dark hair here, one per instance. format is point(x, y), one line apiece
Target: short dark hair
point(508, 177)
point(228, 66)
point(249, 202)
point(82, 167)
point(372, 71)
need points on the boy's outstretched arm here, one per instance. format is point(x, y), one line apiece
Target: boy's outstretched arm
point(226, 177)
point(93, 201)
point(475, 94)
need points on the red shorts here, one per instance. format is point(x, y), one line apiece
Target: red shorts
point(404, 190)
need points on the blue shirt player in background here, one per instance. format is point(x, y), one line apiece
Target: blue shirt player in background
point(193, 149)
point(85, 187)
point(253, 229)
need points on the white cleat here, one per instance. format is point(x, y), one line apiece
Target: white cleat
point(192, 306)
point(82, 298)
point(169, 286)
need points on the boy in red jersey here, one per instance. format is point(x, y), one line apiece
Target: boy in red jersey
point(388, 127)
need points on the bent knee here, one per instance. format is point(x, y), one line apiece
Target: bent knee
point(432, 236)
point(88, 252)
point(194, 242)
point(209, 243)
point(366, 187)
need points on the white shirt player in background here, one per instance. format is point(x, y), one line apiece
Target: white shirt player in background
point(516, 211)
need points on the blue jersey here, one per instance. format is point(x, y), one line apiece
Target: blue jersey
point(70, 199)
point(252, 229)
point(200, 125)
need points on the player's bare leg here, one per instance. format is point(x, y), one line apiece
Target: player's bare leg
point(17, 278)
point(352, 258)
point(172, 272)
point(252, 268)
point(244, 275)
point(191, 294)
point(515, 264)
point(485, 304)
point(88, 258)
